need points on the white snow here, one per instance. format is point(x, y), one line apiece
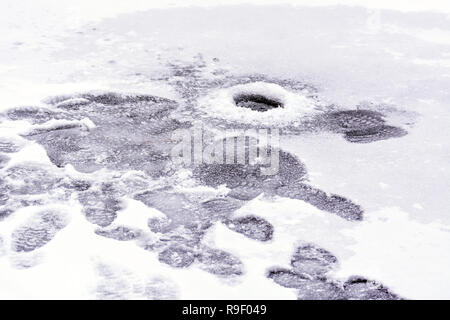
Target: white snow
point(400, 58)
point(220, 104)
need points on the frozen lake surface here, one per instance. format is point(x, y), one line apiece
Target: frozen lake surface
point(93, 205)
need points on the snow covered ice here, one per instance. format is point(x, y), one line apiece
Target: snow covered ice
point(93, 205)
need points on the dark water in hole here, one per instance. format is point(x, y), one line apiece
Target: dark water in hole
point(256, 102)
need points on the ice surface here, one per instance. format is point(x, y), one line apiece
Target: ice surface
point(177, 257)
point(38, 231)
point(119, 233)
point(8, 146)
point(364, 117)
point(252, 227)
point(220, 262)
point(313, 261)
point(309, 274)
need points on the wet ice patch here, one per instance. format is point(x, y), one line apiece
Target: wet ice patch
point(3, 195)
point(53, 125)
point(38, 230)
point(374, 134)
point(10, 145)
point(159, 224)
point(109, 130)
point(177, 256)
point(252, 227)
point(179, 208)
point(360, 126)
point(71, 103)
point(332, 203)
point(246, 182)
point(360, 288)
point(100, 206)
point(309, 274)
point(119, 233)
point(257, 103)
point(30, 178)
point(221, 207)
point(286, 278)
point(308, 289)
point(34, 114)
point(220, 262)
point(5, 212)
point(320, 290)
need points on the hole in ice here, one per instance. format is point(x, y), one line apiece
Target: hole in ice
point(256, 102)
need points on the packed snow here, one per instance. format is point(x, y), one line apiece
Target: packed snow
point(91, 90)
